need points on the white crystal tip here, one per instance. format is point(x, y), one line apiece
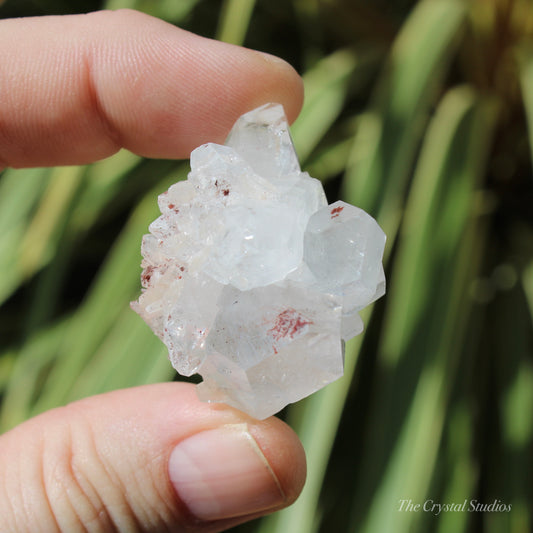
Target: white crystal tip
point(250, 278)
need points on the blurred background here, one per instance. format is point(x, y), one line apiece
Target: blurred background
point(422, 114)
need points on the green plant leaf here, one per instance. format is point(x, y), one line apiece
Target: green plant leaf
point(526, 65)
point(20, 192)
point(443, 243)
point(115, 286)
point(391, 130)
point(234, 21)
point(327, 86)
point(27, 373)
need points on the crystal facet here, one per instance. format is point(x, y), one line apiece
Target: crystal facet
point(250, 278)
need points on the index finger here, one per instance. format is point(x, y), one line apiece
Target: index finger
point(78, 88)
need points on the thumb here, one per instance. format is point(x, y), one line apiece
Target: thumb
point(151, 459)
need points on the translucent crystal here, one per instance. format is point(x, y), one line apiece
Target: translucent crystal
point(262, 138)
point(250, 278)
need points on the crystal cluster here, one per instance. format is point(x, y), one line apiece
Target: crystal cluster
point(250, 278)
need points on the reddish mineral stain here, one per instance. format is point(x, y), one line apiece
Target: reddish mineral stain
point(146, 276)
point(225, 192)
point(171, 206)
point(336, 210)
point(289, 324)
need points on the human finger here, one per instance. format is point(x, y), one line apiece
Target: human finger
point(77, 88)
point(147, 459)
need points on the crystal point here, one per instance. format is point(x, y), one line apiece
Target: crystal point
point(250, 278)
point(262, 138)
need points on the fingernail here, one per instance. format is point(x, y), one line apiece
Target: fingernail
point(222, 473)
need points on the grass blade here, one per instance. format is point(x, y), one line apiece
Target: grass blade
point(32, 362)
point(526, 65)
point(115, 286)
point(127, 355)
point(390, 132)
point(327, 86)
point(438, 224)
point(20, 192)
point(235, 20)
point(42, 235)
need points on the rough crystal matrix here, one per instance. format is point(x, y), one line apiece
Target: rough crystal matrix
point(250, 278)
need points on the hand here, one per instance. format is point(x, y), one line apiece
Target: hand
point(76, 89)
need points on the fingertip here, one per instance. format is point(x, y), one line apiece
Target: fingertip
point(289, 84)
point(237, 470)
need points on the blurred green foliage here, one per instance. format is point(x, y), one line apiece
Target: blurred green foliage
point(421, 113)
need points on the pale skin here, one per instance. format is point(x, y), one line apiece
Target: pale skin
point(74, 90)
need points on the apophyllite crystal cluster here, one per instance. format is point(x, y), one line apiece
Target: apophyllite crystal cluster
point(250, 278)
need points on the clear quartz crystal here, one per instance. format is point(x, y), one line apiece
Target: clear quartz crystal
point(250, 278)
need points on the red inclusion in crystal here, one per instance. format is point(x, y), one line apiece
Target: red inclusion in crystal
point(336, 210)
point(289, 324)
point(146, 276)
